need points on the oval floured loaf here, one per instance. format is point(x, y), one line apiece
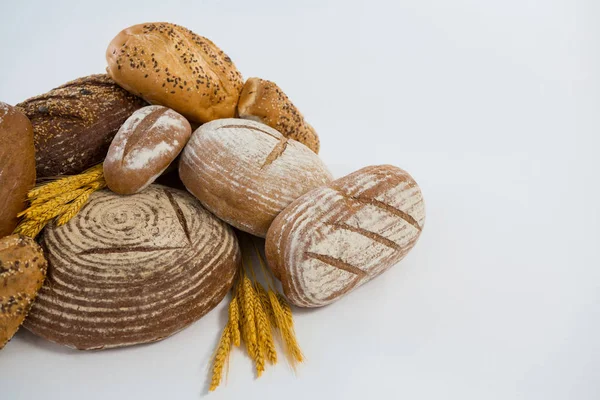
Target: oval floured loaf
point(246, 172)
point(132, 269)
point(144, 147)
point(22, 272)
point(336, 238)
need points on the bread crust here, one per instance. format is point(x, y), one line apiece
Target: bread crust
point(340, 236)
point(17, 165)
point(74, 124)
point(144, 147)
point(170, 65)
point(246, 172)
point(133, 269)
point(265, 102)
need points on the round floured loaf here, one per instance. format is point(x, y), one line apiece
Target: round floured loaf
point(144, 147)
point(246, 172)
point(336, 238)
point(132, 269)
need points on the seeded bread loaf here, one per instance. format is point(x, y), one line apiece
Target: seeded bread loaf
point(144, 147)
point(22, 272)
point(74, 124)
point(170, 65)
point(17, 165)
point(265, 102)
point(133, 269)
point(340, 236)
point(246, 172)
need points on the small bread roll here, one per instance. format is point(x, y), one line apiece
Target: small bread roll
point(265, 102)
point(170, 65)
point(144, 147)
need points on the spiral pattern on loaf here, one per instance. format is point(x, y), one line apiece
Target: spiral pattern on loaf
point(133, 269)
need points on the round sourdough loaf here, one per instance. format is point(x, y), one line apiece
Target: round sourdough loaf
point(338, 237)
point(74, 124)
point(17, 165)
point(170, 65)
point(246, 172)
point(144, 147)
point(133, 269)
point(22, 272)
point(264, 101)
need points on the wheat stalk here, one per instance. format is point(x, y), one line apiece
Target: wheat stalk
point(220, 358)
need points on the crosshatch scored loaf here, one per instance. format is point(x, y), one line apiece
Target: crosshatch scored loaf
point(133, 269)
point(340, 236)
point(246, 172)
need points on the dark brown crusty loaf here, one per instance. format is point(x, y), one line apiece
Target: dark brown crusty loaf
point(17, 165)
point(265, 102)
point(340, 236)
point(170, 65)
point(133, 269)
point(74, 124)
point(22, 272)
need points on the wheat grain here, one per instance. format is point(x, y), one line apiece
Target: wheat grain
point(265, 334)
point(220, 358)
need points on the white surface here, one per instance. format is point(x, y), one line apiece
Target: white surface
point(493, 107)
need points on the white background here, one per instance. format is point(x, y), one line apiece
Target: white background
point(493, 107)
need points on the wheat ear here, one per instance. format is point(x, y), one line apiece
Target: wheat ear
point(221, 356)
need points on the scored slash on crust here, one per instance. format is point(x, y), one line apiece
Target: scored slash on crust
point(131, 249)
point(179, 213)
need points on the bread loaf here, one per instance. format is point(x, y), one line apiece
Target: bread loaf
point(133, 269)
point(170, 65)
point(338, 237)
point(17, 165)
point(265, 102)
point(74, 124)
point(246, 172)
point(22, 272)
point(144, 147)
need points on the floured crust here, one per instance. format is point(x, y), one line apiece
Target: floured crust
point(246, 172)
point(133, 269)
point(265, 102)
point(144, 147)
point(340, 236)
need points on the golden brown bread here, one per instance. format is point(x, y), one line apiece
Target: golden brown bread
point(17, 165)
point(265, 102)
point(170, 65)
point(246, 172)
point(74, 124)
point(22, 273)
point(144, 147)
point(340, 236)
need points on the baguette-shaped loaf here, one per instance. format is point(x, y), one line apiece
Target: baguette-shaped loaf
point(170, 65)
point(133, 269)
point(22, 272)
point(74, 124)
point(17, 165)
point(246, 172)
point(144, 147)
point(338, 237)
